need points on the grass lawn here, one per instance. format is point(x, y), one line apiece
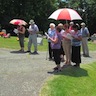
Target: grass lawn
point(72, 82)
point(12, 43)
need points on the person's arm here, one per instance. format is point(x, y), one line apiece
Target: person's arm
point(79, 37)
point(88, 32)
point(36, 29)
point(54, 40)
point(30, 30)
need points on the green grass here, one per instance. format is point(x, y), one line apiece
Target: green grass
point(12, 43)
point(92, 46)
point(72, 82)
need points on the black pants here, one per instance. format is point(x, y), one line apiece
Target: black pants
point(62, 51)
point(56, 54)
point(76, 56)
point(50, 50)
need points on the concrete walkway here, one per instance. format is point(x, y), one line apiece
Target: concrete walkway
point(22, 74)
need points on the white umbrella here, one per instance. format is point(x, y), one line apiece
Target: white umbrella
point(65, 14)
point(18, 22)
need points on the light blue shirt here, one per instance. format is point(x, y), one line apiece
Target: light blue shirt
point(76, 42)
point(34, 28)
point(51, 33)
point(84, 32)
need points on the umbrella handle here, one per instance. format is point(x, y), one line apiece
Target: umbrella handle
point(66, 22)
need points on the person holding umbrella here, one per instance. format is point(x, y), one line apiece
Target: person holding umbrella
point(67, 45)
point(21, 34)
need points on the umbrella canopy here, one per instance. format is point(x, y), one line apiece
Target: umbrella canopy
point(18, 22)
point(65, 14)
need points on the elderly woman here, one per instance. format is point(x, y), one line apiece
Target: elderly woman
point(67, 44)
point(76, 45)
point(62, 51)
point(51, 33)
point(56, 46)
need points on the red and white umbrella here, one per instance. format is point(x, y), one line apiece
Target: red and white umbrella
point(18, 22)
point(65, 14)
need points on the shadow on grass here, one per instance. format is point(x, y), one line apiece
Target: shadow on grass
point(71, 71)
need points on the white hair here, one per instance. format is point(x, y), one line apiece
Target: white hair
point(83, 24)
point(52, 24)
point(71, 23)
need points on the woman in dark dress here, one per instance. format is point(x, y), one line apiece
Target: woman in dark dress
point(76, 45)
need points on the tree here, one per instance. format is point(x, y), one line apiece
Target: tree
point(37, 10)
point(41, 10)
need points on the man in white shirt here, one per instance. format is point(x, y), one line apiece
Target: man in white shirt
point(33, 30)
point(85, 35)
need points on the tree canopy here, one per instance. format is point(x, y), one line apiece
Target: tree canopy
point(41, 10)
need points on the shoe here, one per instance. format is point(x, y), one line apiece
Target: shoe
point(55, 68)
point(66, 65)
point(28, 51)
point(76, 65)
point(35, 52)
point(21, 51)
point(84, 55)
point(50, 59)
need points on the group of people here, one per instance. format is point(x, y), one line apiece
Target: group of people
point(33, 30)
point(64, 42)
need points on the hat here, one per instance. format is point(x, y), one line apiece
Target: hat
point(83, 24)
point(31, 22)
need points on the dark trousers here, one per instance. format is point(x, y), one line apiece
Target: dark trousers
point(76, 56)
point(50, 50)
point(56, 54)
point(62, 51)
point(21, 40)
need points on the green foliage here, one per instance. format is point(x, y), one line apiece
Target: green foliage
point(41, 10)
point(37, 10)
point(72, 82)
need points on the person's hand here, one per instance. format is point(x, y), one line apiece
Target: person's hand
point(48, 37)
point(29, 30)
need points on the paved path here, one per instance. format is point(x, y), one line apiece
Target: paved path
point(22, 74)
